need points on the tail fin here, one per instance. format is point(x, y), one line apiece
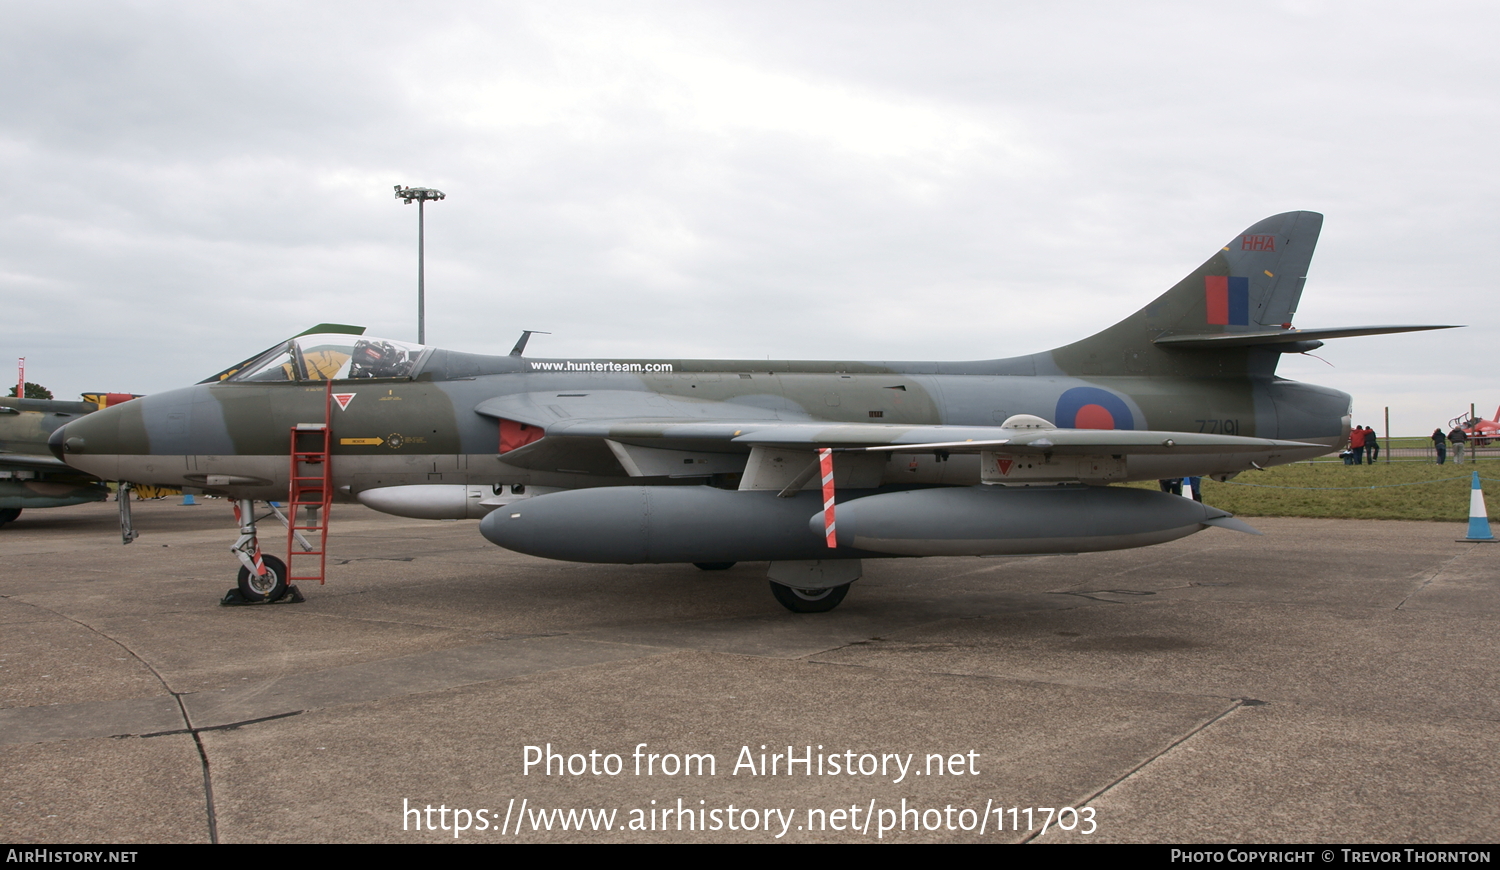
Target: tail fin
point(1268, 263)
point(1249, 288)
point(1231, 317)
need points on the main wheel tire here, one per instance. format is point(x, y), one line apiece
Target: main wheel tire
point(809, 600)
point(9, 514)
point(270, 586)
point(713, 566)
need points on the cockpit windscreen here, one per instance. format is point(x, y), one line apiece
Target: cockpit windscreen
point(337, 357)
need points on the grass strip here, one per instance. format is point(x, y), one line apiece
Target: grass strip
point(1398, 491)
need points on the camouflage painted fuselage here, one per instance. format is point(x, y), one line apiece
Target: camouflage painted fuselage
point(29, 476)
point(234, 437)
point(1201, 358)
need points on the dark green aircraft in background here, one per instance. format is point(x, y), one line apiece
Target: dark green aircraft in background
point(30, 476)
point(717, 461)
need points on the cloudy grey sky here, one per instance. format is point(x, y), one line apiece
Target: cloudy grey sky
point(187, 183)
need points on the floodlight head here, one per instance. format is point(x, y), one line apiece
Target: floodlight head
point(408, 195)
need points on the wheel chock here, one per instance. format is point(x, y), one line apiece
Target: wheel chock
point(235, 598)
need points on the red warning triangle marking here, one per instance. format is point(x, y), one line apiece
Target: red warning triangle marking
point(1005, 465)
point(343, 400)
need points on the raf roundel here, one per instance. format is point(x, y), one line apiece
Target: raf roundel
point(1093, 408)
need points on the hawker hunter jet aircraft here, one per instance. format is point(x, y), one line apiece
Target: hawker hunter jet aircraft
point(810, 466)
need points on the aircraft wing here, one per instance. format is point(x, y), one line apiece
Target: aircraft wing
point(32, 462)
point(916, 439)
point(663, 422)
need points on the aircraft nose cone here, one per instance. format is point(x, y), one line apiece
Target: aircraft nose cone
point(57, 442)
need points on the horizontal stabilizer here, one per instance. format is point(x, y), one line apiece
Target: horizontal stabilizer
point(1217, 341)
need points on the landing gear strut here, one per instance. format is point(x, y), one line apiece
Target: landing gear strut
point(262, 579)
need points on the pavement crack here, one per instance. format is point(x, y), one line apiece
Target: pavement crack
point(1203, 726)
point(208, 790)
point(866, 642)
point(230, 726)
point(208, 782)
point(1431, 577)
point(1093, 595)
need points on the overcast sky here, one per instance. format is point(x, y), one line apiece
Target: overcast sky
point(187, 183)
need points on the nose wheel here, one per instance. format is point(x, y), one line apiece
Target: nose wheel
point(269, 587)
point(262, 579)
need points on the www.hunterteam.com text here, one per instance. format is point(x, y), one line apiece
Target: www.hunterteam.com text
point(598, 366)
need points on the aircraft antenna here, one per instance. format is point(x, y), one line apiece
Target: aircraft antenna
point(526, 335)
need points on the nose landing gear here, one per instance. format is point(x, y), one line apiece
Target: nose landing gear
point(262, 579)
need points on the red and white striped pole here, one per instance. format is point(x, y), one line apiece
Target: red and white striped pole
point(825, 460)
point(21, 378)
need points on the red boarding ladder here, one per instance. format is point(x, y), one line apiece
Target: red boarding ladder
point(311, 487)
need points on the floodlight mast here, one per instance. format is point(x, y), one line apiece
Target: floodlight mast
point(421, 196)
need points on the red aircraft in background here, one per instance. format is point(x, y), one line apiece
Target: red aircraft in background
point(1479, 430)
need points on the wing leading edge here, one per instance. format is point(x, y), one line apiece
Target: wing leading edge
point(772, 454)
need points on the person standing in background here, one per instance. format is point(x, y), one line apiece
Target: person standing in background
point(1458, 438)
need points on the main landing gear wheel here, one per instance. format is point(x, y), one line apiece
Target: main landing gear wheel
point(713, 566)
point(809, 600)
point(9, 514)
point(270, 586)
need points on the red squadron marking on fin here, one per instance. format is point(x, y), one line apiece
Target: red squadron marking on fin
point(1258, 243)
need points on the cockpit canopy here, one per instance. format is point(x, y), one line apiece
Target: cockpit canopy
point(328, 356)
